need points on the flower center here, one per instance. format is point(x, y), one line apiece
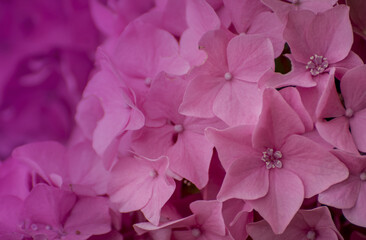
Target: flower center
point(317, 65)
point(348, 113)
point(196, 232)
point(272, 158)
point(311, 235)
point(178, 128)
point(148, 81)
point(363, 176)
point(153, 173)
point(228, 76)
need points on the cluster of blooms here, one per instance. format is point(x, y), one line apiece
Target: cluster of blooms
point(200, 119)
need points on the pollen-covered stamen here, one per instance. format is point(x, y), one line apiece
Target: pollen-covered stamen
point(196, 232)
point(178, 128)
point(311, 235)
point(348, 113)
point(317, 65)
point(228, 76)
point(363, 176)
point(272, 158)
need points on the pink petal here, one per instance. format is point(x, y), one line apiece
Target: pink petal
point(354, 214)
point(276, 122)
point(353, 87)
point(249, 57)
point(268, 24)
point(292, 97)
point(329, 105)
point(231, 143)
point(247, 178)
point(342, 195)
point(283, 200)
point(238, 103)
point(48, 205)
point(336, 132)
point(295, 34)
point(331, 36)
point(200, 96)
point(357, 123)
point(190, 157)
point(351, 61)
point(44, 157)
point(89, 216)
point(301, 156)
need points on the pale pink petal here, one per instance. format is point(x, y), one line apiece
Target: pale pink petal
point(283, 200)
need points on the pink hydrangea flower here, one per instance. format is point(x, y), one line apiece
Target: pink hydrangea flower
point(220, 84)
point(272, 165)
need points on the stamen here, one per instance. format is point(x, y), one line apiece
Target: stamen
point(349, 113)
point(196, 232)
point(228, 76)
point(178, 128)
point(317, 65)
point(272, 158)
point(153, 173)
point(148, 81)
point(311, 235)
point(363, 176)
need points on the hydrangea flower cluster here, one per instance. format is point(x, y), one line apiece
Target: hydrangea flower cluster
point(182, 120)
